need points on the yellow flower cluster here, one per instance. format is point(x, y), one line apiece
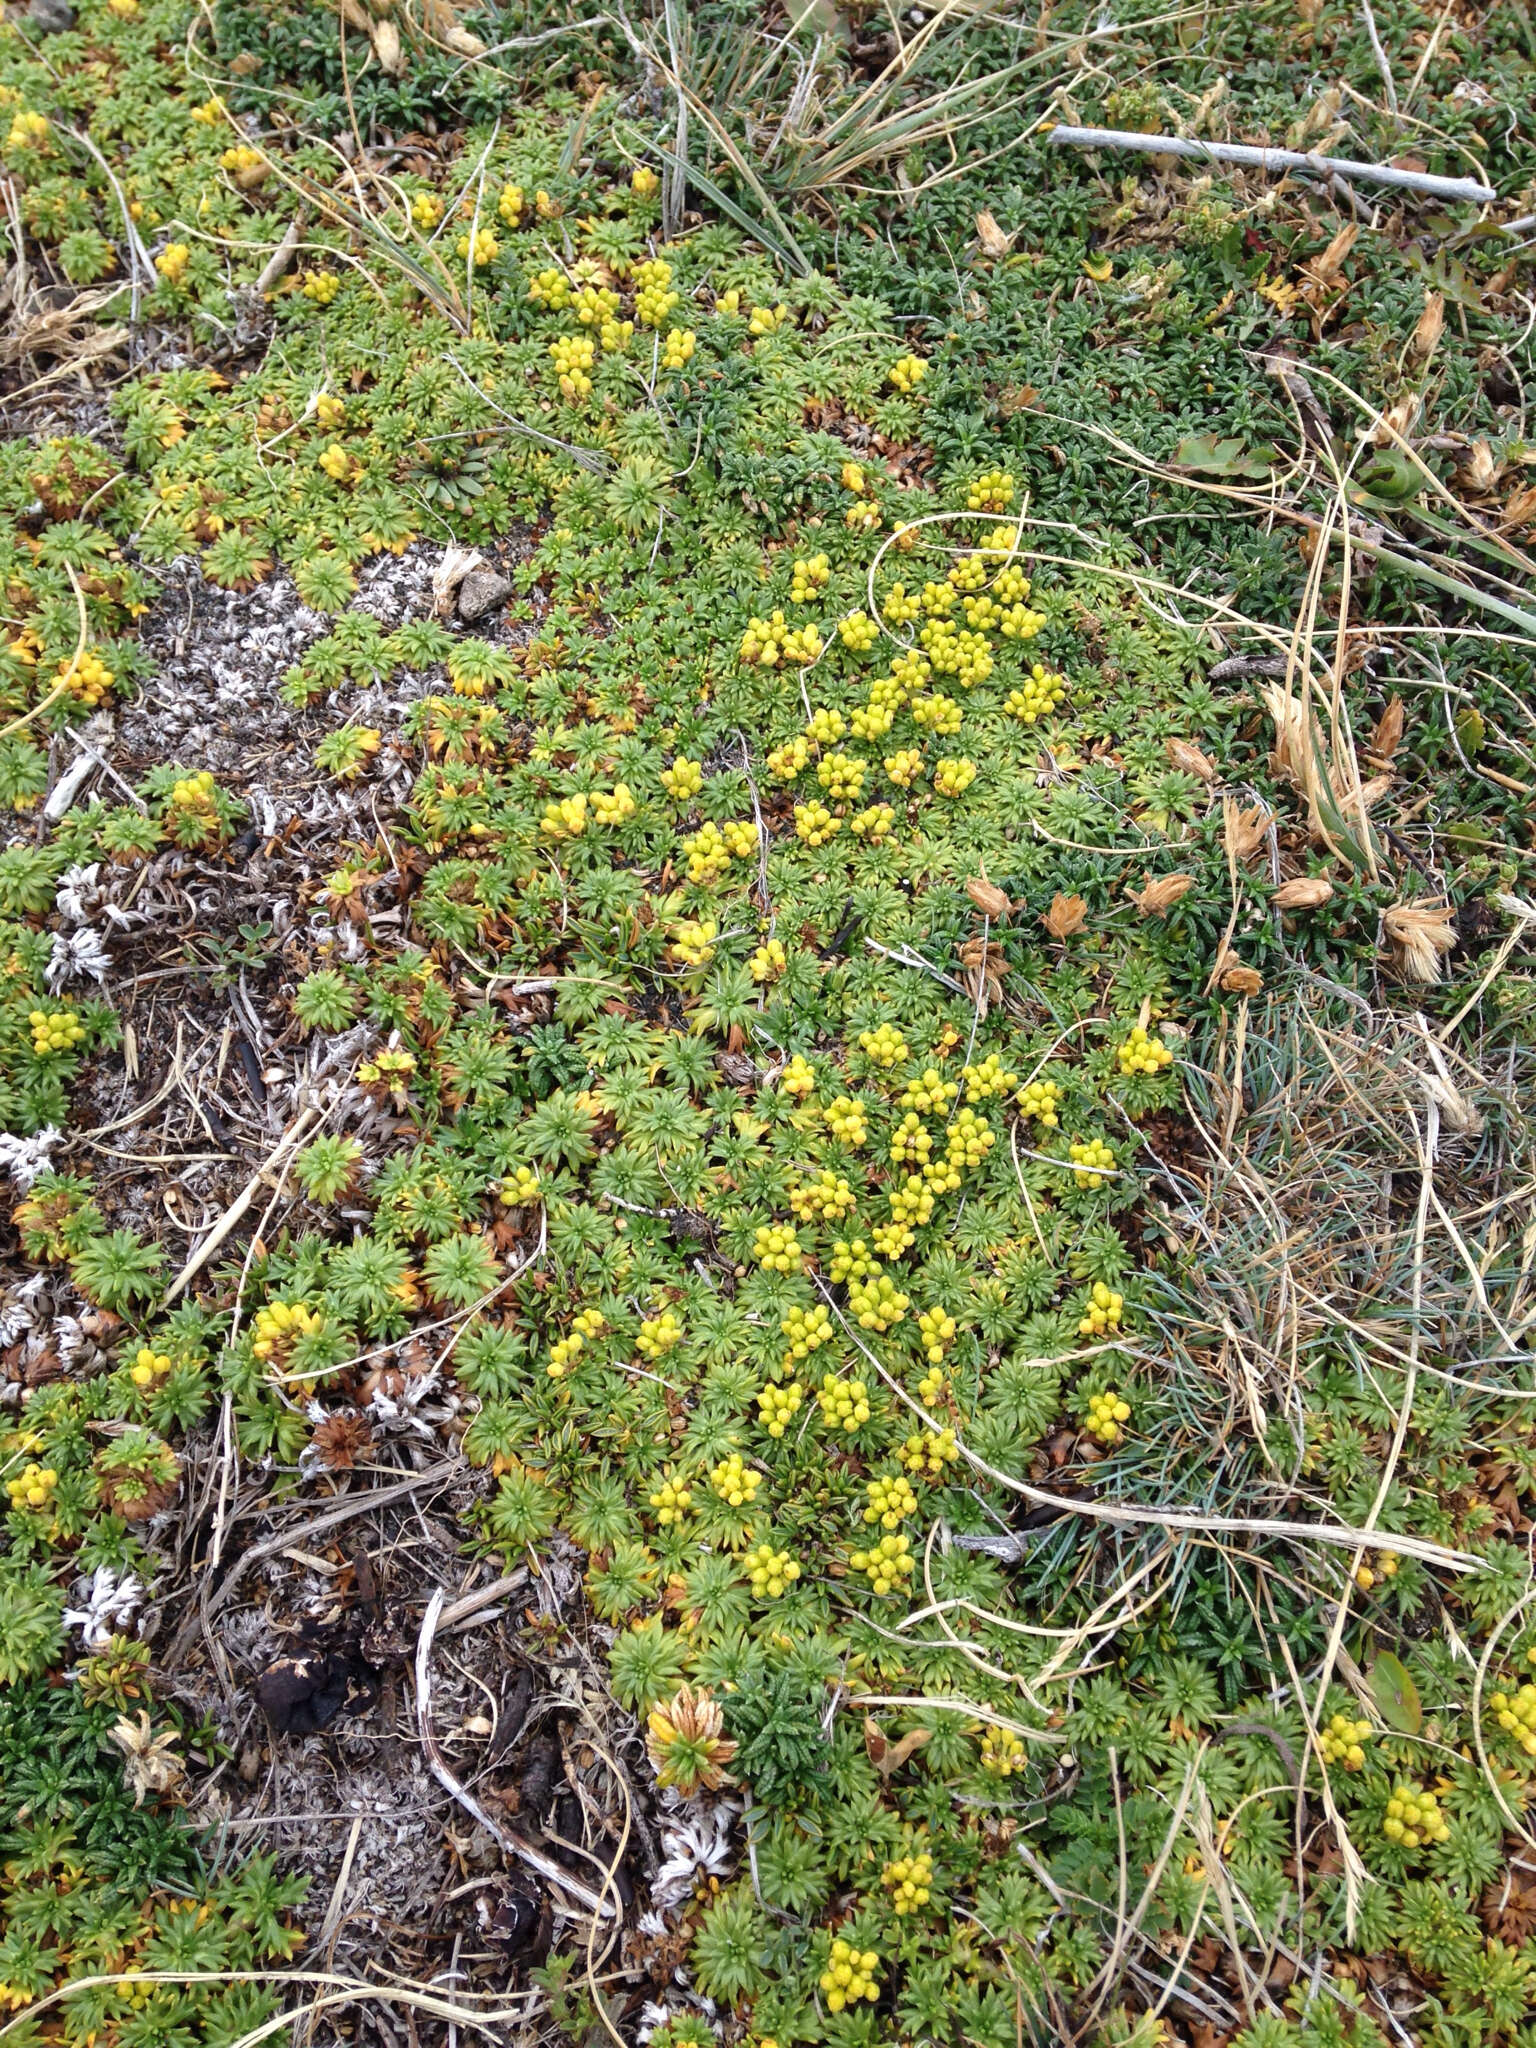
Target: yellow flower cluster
point(563, 1353)
point(844, 1404)
point(788, 761)
point(594, 305)
point(672, 1499)
point(658, 1335)
point(841, 776)
point(1143, 1054)
point(566, 818)
point(1106, 1413)
point(848, 1121)
point(932, 1387)
point(735, 1483)
point(1002, 1752)
point(1090, 1157)
point(991, 492)
point(890, 1501)
point(613, 807)
point(479, 248)
point(1042, 1101)
point(280, 1325)
point(926, 1455)
point(1018, 622)
point(550, 288)
point(928, 1093)
point(815, 824)
point(987, 1079)
point(888, 1565)
point(858, 632)
point(193, 793)
point(769, 961)
point(769, 641)
point(693, 941)
point(799, 1077)
point(910, 1882)
point(827, 1198)
point(776, 1248)
point(1343, 1740)
point(850, 1975)
point(1103, 1311)
point(679, 347)
point(684, 779)
point(953, 777)
point(911, 1141)
point(873, 824)
point(1037, 697)
point(710, 850)
point(149, 1366)
point(906, 373)
point(825, 728)
point(1413, 1817)
point(510, 205)
point(885, 1046)
point(770, 1572)
point(807, 1330)
point(27, 131)
point(32, 1488)
point(1516, 1715)
point(54, 1031)
point(573, 356)
point(654, 299)
point(809, 575)
point(852, 1261)
point(904, 766)
point(971, 1138)
point(520, 1188)
point(768, 319)
point(937, 1331)
point(876, 1304)
point(1386, 1568)
point(777, 1406)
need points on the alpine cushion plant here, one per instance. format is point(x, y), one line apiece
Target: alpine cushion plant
point(846, 1024)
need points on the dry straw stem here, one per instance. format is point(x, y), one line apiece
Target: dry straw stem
point(1468, 190)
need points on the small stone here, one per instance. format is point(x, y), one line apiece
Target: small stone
point(482, 591)
point(50, 17)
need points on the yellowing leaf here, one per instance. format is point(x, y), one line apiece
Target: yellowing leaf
point(1396, 1695)
point(1100, 268)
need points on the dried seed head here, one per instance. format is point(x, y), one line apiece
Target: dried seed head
point(1305, 892)
point(1419, 936)
point(1065, 916)
point(687, 1743)
point(1326, 268)
point(1242, 981)
point(1481, 470)
point(1185, 755)
point(988, 898)
point(1426, 336)
point(1156, 899)
point(1247, 830)
point(994, 242)
point(1388, 734)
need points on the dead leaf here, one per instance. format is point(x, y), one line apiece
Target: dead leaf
point(1065, 916)
point(1419, 936)
point(988, 898)
point(1304, 892)
point(1325, 268)
point(1157, 898)
point(1185, 755)
point(887, 1756)
point(994, 242)
point(149, 1761)
point(1521, 508)
point(1247, 830)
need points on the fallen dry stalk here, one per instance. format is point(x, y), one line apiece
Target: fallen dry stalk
point(1274, 160)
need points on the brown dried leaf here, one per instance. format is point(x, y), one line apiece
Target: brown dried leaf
point(1242, 981)
point(1065, 916)
point(1326, 268)
point(1157, 898)
point(1305, 892)
point(887, 1756)
point(1185, 755)
point(988, 898)
point(1419, 936)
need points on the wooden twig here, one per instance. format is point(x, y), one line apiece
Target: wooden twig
point(505, 1840)
point(288, 1143)
point(1274, 160)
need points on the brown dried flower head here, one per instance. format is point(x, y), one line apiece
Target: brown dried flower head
point(1419, 937)
point(1185, 755)
point(1242, 981)
point(1247, 830)
point(341, 1440)
point(993, 240)
point(988, 898)
point(1387, 735)
point(1065, 916)
point(1426, 335)
point(1303, 892)
point(1156, 899)
point(150, 1763)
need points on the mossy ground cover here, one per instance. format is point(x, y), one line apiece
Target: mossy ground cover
point(896, 1081)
